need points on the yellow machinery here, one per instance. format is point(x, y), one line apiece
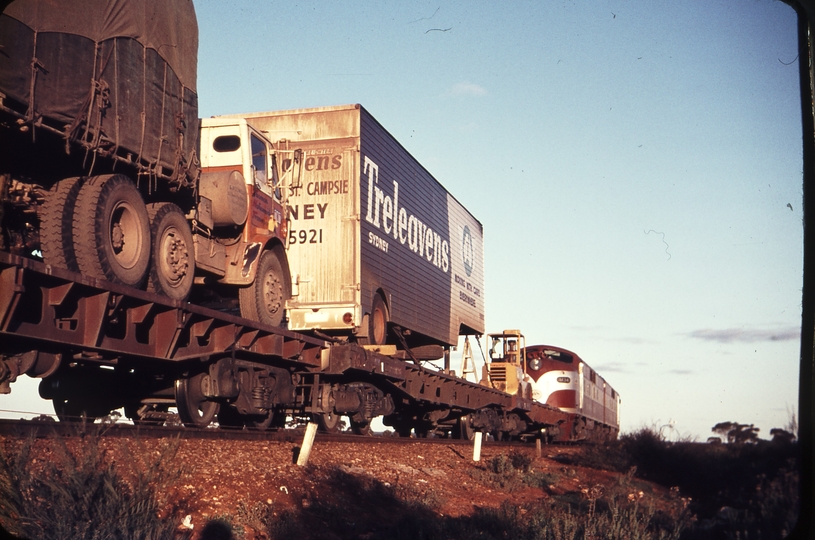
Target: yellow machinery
point(506, 368)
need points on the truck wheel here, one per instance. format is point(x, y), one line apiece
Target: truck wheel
point(328, 421)
point(57, 224)
point(173, 259)
point(112, 231)
point(264, 300)
point(378, 329)
point(261, 422)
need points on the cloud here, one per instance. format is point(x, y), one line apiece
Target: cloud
point(631, 340)
point(616, 367)
point(601, 332)
point(467, 89)
point(680, 372)
point(742, 335)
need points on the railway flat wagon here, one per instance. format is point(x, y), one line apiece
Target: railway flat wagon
point(378, 248)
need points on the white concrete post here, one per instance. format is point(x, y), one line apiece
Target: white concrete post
point(538, 447)
point(477, 446)
point(308, 442)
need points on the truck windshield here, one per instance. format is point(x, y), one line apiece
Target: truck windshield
point(259, 163)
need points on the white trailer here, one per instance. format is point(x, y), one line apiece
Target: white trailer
point(377, 247)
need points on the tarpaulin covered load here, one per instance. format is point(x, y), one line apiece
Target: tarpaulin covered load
point(115, 76)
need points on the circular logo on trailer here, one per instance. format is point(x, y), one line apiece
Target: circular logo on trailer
point(467, 254)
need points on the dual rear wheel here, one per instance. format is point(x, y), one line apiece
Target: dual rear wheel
point(101, 227)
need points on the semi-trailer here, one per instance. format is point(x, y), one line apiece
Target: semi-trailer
point(378, 248)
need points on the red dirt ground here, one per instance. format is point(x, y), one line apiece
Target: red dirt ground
point(347, 486)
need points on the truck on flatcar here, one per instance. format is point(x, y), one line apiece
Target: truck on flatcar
point(378, 248)
point(100, 163)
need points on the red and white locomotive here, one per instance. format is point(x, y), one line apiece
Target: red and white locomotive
point(556, 378)
point(562, 379)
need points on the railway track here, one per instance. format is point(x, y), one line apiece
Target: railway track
point(41, 428)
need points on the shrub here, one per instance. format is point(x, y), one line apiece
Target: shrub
point(79, 493)
point(511, 473)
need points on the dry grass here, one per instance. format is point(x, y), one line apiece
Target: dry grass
point(76, 492)
point(716, 491)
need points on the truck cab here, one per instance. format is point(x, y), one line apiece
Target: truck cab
point(240, 220)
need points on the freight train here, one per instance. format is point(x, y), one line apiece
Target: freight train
point(116, 200)
point(100, 346)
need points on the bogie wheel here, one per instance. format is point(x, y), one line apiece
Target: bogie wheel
point(464, 429)
point(265, 299)
point(362, 428)
point(230, 418)
point(173, 257)
point(328, 422)
point(193, 407)
point(111, 230)
point(68, 410)
point(378, 329)
point(57, 224)
point(260, 422)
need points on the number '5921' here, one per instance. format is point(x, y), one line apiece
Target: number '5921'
point(306, 236)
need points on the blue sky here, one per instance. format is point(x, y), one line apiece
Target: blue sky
point(631, 163)
point(636, 166)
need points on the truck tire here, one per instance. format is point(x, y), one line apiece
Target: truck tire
point(57, 224)
point(172, 267)
point(112, 230)
point(264, 300)
point(378, 321)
